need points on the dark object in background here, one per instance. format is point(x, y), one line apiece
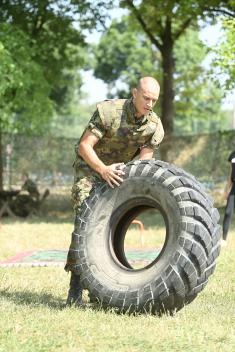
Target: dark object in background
point(23, 205)
point(16, 203)
point(5, 200)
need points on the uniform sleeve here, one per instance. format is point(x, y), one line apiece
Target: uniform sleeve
point(157, 137)
point(96, 126)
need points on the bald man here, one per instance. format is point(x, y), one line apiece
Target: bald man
point(119, 131)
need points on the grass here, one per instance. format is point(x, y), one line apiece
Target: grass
point(33, 316)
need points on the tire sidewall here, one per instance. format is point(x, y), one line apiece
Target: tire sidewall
point(102, 262)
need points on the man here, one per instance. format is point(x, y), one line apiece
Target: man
point(118, 131)
point(230, 196)
point(30, 186)
point(27, 200)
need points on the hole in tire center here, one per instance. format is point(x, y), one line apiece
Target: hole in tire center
point(142, 239)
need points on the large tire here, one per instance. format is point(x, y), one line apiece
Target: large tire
point(188, 256)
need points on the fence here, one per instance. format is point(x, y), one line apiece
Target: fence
point(49, 160)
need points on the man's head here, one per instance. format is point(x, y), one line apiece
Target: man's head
point(145, 95)
point(24, 176)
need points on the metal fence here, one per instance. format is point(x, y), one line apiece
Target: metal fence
point(49, 160)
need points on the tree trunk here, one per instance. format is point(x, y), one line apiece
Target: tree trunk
point(167, 84)
point(167, 89)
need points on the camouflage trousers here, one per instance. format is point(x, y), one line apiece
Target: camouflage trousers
point(80, 191)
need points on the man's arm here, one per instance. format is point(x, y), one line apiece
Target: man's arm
point(146, 153)
point(110, 173)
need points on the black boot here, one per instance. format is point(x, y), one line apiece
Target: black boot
point(75, 291)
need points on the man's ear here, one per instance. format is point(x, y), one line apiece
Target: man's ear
point(134, 92)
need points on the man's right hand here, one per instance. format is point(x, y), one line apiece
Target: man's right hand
point(112, 174)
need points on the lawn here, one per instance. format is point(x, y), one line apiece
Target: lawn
point(34, 317)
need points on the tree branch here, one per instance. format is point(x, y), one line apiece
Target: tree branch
point(182, 29)
point(222, 11)
point(40, 19)
point(143, 24)
point(99, 19)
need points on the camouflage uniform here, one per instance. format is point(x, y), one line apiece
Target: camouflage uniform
point(31, 188)
point(121, 136)
point(27, 200)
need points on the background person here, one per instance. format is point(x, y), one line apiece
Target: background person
point(230, 196)
point(118, 131)
point(30, 186)
point(27, 200)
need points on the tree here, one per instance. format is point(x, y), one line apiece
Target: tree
point(76, 114)
point(53, 44)
point(23, 89)
point(164, 22)
point(56, 42)
point(117, 60)
point(225, 54)
point(197, 98)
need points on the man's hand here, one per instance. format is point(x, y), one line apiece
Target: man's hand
point(112, 174)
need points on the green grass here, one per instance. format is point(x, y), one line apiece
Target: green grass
point(33, 317)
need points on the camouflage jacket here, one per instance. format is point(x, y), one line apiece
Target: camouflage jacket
point(121, 134)
point(31, 188)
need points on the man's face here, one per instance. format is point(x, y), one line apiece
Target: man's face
point(144, 99)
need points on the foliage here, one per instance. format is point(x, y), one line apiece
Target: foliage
point(42, 46)
point(181, 10)
point(56, 40)
point(71, 121)
point(225, 59)
point(24, 90)
point(196, 97)
point(199, 110)
point(123, 55)
point(164, 23)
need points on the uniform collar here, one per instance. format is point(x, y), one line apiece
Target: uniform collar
point(131, 114)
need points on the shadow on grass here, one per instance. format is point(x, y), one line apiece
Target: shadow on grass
point(28, 298)
point(35, 300)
